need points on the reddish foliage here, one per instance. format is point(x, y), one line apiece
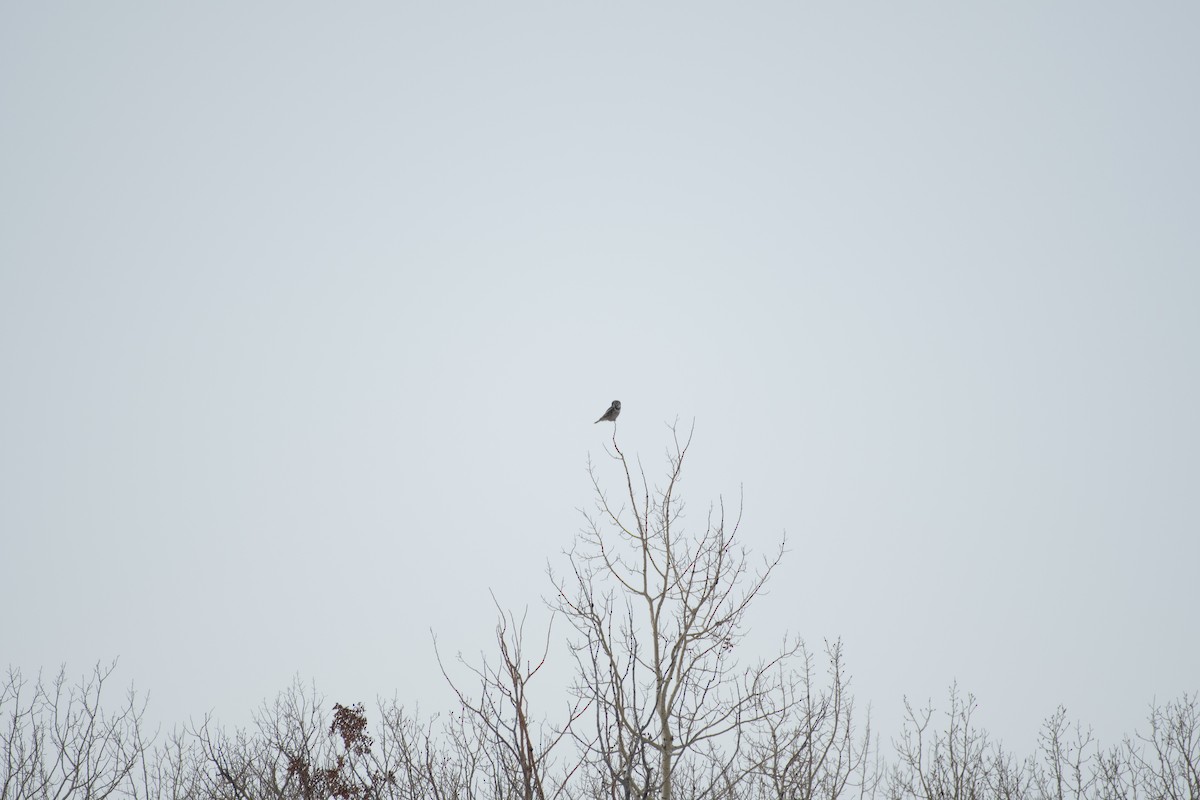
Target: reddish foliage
point(340, 780)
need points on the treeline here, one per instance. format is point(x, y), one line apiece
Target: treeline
point(660, 707)
point(60, 740)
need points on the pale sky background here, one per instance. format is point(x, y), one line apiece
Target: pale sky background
point(306, 310)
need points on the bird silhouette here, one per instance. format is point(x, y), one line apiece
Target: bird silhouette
point(611, 414)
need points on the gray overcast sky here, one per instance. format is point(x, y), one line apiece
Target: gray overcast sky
point(306, 310)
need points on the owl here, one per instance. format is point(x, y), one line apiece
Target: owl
point(611, 414)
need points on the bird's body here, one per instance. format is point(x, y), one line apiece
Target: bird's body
point(611, 414)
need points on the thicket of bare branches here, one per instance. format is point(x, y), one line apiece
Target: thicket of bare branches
point(301, 746)
point(664, 705)
point(518, 751)
point(59, 741)
point(957, 761)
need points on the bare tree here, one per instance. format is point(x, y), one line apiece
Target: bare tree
point(58, 741)
point(808, 746)
point(660, 610)
point(497, 720)
point(941, 765)
point(1065, 765)
point(427, 761)
point(1170, 755)
point(173, 771)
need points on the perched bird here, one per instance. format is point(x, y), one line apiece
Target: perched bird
point(611, 414)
